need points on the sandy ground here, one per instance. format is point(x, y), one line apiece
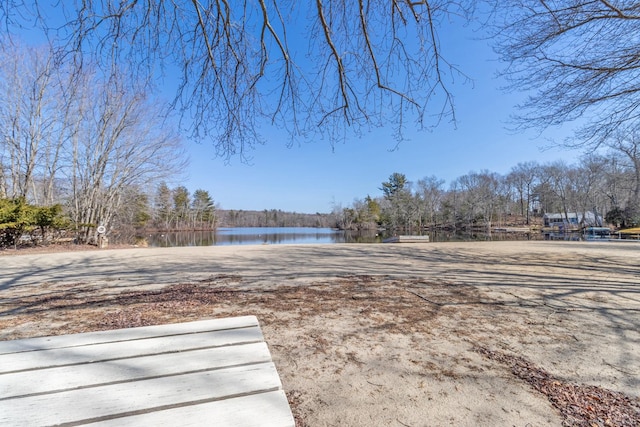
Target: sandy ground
point(464, 334)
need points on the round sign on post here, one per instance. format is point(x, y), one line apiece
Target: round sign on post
point(101, 229)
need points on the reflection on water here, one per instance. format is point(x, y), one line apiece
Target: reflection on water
point(453, 236)
point(300, 235)
point(248, 236)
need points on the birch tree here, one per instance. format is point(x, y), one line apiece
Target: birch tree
point(121, 142)
point(31, 123)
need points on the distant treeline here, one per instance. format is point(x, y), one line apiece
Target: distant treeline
point(273, 218)
point(606, 184)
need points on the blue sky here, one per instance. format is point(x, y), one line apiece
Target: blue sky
point(313, 178)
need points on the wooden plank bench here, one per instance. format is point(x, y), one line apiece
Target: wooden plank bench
point(212, 372)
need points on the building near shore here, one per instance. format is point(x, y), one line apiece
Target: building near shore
point(572, 220)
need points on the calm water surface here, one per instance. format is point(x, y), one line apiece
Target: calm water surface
point(249, 236)
point(294, 235)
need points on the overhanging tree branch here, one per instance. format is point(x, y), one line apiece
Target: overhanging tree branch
point(237, 66)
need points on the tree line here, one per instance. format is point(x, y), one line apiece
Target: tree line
point(165, 209)
point(80, 125)
point(606, 184)
point(176, 209)
point(274, 218)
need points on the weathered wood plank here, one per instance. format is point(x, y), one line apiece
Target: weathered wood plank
point(58, 379)
point(214, 372)
point(123, 349)
point(43, 343)
point(131, 398)
point(260, 410)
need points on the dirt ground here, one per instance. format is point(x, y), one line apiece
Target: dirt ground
point(464, 334)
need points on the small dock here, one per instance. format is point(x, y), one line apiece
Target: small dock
point(212, 372)
point(407, 239)
point(512, 229)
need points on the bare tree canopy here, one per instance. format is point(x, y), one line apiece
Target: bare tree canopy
point(330, 68)
point(313, 68)
point(581, 60)
point(70, 136)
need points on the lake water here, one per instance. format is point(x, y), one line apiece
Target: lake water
point(295, 235)
point(250, 236)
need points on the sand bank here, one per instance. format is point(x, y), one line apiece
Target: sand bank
point(375, 335)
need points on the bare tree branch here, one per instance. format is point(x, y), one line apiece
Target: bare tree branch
point(579, 59)
point(239, 69)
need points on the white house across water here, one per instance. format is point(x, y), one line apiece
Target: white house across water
point(572, 220)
